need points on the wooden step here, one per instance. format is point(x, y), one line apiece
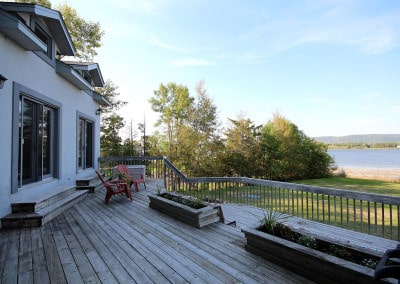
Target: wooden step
point(32, 204)
point(91, 183)
point(37, 212)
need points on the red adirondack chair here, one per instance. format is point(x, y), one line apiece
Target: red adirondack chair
point(136, 179)
point(114, 187)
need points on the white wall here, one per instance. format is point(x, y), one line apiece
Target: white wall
point(29, 70)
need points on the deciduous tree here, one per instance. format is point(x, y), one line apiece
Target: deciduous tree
point(85, 35)
point(291, 154)
point(173, 103)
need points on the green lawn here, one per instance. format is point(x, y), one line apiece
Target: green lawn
point(364, 185)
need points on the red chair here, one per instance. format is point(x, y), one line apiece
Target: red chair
point(114, 187)
point(135, 179)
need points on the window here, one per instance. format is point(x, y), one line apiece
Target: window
point(35, 137)
point(36, 142)
point(85, 143)
point(43, 36)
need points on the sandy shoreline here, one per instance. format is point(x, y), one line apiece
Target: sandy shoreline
point(389, 174)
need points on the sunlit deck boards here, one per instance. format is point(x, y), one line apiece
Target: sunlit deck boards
point(127, 242)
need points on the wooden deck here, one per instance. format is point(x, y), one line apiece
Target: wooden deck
point(127, 242)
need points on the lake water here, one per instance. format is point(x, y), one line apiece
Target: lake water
point(367, 158)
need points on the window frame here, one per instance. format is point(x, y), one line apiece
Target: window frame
point(18, 91)
point(41, 31)
point(84, 151)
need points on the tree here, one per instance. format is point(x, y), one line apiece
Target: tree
point(173, 102)
point(242, 148)
point(291, 154)
point(157, 144)
point(111, 123)
point(204, 142)
point(85, 35)
point(109, 92)
point(110, 141)
point(142, 129)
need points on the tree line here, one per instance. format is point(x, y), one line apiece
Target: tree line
point(359, 145)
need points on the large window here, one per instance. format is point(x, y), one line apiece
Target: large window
point(35, 138)
point(36, 141)
point(85, 143)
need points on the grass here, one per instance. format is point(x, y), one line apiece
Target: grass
point(356, 184)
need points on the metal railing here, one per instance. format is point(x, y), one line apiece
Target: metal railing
point(373, 214)
point(368, 213)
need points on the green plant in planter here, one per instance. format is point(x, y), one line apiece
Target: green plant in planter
point(370, 263)
point(337, 251)
point(271, 219)
point(193, 202)
point(196, 203)
point(158, 189)
point(307, 241)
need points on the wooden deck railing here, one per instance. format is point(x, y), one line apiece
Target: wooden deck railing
point(368, 213)
point(154, 165)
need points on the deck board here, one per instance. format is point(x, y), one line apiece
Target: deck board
point(10, 267)
point(128, 242)
point(67, 260)
point(25, 267)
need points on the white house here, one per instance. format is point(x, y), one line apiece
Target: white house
point(49, 119)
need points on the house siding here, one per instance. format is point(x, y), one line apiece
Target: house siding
point(25, 68)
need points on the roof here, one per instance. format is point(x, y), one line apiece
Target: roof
point(92, 68)
point(70, 74)
point(14, 28)
point(97, 97)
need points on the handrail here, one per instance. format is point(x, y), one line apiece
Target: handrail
point(370, 213)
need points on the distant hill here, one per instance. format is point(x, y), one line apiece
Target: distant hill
point(362, 138)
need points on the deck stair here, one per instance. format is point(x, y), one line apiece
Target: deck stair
point(91, 183)
point(36, 211)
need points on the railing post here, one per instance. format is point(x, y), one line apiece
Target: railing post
point(165, 173)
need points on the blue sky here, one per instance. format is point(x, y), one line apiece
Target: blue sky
point(331, 67)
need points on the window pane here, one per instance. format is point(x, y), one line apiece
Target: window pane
point(46, 130)
point(89, 144)
point(39, 142)
point(80, 143)
point(27, 142)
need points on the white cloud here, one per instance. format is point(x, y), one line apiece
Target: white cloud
point(334, 23)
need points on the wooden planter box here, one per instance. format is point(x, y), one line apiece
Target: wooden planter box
point(197, 218)
point(312, 264)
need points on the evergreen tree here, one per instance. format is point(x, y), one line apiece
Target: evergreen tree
point(242, 148)
point(111, 142)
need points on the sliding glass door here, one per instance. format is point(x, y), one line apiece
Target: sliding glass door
point(36, 125)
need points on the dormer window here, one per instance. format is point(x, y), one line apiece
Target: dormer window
point(88, 78)
point(43, 36)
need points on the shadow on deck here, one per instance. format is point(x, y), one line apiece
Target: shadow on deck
point(127, 242)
